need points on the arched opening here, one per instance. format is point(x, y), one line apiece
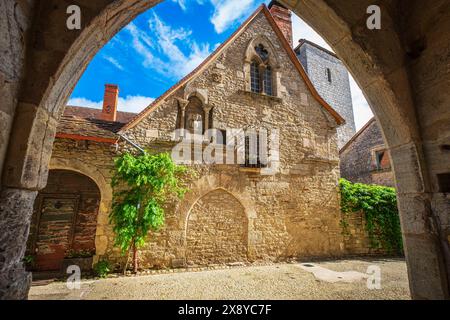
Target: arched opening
point(216, 230)
point(387, 64)
point(64, 222)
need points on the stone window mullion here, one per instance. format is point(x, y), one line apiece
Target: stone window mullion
point(262, 69)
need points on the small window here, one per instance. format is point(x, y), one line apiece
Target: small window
point(255, 156)
point(444, 182)
point(262, 52)
point(268, 87)
point(255, 78)
point(329, 75)
point(382, 160)
point(221, 136)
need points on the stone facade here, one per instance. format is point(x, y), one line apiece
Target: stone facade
point(232, 213)
point(330, 77)
point(402, 69)
point(366, 159)
point(294, 213)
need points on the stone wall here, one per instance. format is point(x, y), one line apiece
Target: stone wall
point(356, 237)
point(294, 213)
point(217, 230)
point(358, 163)
point(231, 213)
point(15, 19)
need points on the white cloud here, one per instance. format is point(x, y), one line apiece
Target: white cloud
point(164, 54)
point(83, 102)
point(228, 12)
point(361, 109)
point(128, 104)
point(114, 62)
point(181, 3)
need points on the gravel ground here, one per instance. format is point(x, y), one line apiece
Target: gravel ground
point(343, 279)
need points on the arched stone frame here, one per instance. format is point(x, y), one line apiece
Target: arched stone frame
point(210, 183)
point(251, 55)
point(202, 96)
point(377, 59)
point(106, 193)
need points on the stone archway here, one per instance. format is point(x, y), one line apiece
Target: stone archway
point(64, 222)
point(106, 193)
point(389, 65)
point(402, 69)
point(216, 230)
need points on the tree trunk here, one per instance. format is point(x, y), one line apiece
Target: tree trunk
point(126, 263)
point(135, 258)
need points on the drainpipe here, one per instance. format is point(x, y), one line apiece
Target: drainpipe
point(135, 145)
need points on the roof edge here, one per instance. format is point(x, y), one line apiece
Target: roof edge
point(191, 74)
point(262, 8)
point(301, 42)
point(339, 119)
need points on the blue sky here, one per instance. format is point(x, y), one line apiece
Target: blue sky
point(168, 41)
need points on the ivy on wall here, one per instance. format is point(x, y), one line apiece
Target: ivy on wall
point(379, 205)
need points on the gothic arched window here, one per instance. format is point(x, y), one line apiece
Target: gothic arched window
point(255, 78)
point(261, 70)
point(194, 118)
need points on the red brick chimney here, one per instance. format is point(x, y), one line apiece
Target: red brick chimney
point(282, 16)
point(110, 99)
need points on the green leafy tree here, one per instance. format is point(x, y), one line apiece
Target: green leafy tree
point(143, 185)
point(379, 205)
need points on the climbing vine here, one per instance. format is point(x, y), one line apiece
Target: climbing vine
point(143, 185)
point(379, 205)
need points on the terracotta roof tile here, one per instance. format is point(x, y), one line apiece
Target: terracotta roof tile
point(91, 113)
point(83, 123)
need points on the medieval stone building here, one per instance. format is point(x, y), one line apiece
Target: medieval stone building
point(366, 159)
point(284, 207)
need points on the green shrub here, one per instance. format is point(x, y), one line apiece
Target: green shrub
point(144, 184)
point(379, 205)
point(29, 260)
point(102, 268)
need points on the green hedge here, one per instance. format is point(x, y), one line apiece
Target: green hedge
point(379, 205)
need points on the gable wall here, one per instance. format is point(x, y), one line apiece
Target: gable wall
point(357, 159)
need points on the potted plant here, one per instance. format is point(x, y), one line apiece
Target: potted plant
point(81, 258)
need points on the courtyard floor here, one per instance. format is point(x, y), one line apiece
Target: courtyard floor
point(343, 279)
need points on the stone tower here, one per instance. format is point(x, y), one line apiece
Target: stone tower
point(330, 77)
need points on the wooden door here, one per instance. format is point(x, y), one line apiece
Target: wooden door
point(55, 229)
